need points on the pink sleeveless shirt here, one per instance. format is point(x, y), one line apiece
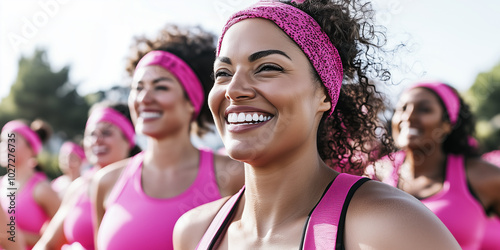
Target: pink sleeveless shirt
point(462, 214)
point(29, 215)
point(78, 224)
point(135, 220)
point(325, 224)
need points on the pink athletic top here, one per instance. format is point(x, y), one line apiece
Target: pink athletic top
point(491, 240)
point(455, 205)
point(324, 228)
point(135, 220)
point(78, 224)
point(29, 215)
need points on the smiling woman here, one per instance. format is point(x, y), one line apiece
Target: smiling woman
point(170, 83)
point(292, 92)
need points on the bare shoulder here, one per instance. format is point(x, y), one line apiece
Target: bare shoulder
point(383, 217)
point(230, 174)
point(105, 178)
point(191, 226)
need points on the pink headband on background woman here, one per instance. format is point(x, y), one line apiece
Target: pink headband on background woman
point(105, 114)
point(72, 148)
point(181, 71)
point(306, 33)
point(26, 132)
point(447, 95)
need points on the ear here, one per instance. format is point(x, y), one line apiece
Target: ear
point(447, 128)
point(325, 103)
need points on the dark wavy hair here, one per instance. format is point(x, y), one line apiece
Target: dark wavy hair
point(457, 142)
point(194, 46)
point(353, 136)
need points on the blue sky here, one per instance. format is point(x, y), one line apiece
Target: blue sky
point(447, 40)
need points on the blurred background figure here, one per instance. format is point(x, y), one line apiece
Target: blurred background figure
point(71, 163)
point(167, 101)
point(108, 138)
point(439, 162)
point(36, 202)
point(491, 238)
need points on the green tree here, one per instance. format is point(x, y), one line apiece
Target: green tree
point(484, 98)
point(40, 92)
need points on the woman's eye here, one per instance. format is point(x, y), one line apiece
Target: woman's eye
point(161, 88)
point(221, 73)
point(269, 67)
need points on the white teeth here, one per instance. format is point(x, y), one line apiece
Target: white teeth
point(233, 117)
point(241, 117)
point(148, 115)
point(247, 118)
point(413, 131)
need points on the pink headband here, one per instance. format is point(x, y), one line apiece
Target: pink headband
point(306, 33)
point(181, 71)
point(447, 95)
point(104, 114)
point(72, 148)
point(25, 131)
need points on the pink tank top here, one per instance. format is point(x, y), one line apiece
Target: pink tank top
point(78, 224)
point(135, 220)
point(491, 239)
point(328, 216)
point(462, 214)
point(29, 215)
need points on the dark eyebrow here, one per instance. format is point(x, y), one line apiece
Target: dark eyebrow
point(159, 79)
point(257, 55)
point(224, 60)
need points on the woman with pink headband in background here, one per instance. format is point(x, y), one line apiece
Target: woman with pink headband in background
point(138, 201)
point(277, 97)
point(491, 239)
point(71, 160)
point(109, 137)
point(439, 164)
point(35, 201)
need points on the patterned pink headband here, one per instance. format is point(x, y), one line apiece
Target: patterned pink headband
point(72, 148)
point(181, 71)
point(306, 33)
point(104, 114)
point(447, 95)
point(26, 132)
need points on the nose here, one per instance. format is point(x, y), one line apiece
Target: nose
point(240, 88)
point(408, 114)
point(144, 96)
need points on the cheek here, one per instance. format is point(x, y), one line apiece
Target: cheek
point(215, 98)
point(132, 105)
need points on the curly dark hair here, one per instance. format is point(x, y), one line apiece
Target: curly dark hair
point(353, 136)
point(457, 142)
point(194, 46)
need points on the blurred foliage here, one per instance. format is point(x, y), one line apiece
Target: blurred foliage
point(484, 98)
point(40, 92)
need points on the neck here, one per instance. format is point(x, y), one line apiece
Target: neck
point(169, 152)
point(425, 163)
point(273, 189)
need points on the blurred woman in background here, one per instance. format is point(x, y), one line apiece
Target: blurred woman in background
point(109, 137)
point(71, 161)
point(35, 201)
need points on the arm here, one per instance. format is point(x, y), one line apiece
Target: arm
point(101, 185)
point(15, 243)
point(485, 181)
point(191, 226)
point(53, 237)
point(382, 217)
point(49, 201)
